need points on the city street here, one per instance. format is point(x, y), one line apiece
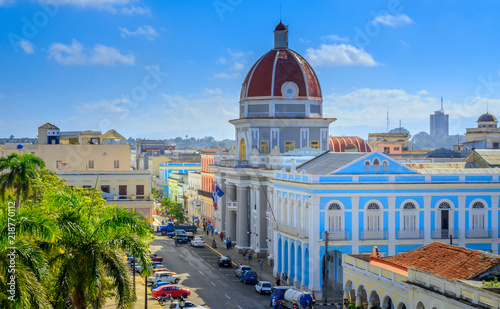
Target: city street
point(210, 286)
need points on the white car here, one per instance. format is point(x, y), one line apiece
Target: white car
point(263, 287)
point(164, 276)
point(198, 242)
point(188, 304)
point(242, 268)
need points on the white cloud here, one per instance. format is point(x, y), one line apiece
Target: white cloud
point(27, 46)
point(423, 92)
point(225, 75)
point(221, 60)
point(404, 43)
point(215, 91)
point(339, 55)
point(304, 41)
point(392, 20)
point(335, 38)
point(147, 31)
point(77, 54)
point(136, 10)
point(237, 66)
point(6, 2)
point(103, 107)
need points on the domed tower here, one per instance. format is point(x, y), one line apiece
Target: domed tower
point(280, 103)
point(487, 121)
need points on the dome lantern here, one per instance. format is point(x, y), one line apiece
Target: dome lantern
point(280, 37)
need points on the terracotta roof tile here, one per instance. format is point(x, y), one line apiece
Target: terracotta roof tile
point(447, 261)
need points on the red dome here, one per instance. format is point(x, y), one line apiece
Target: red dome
point(280, 27)
point(278, 66)
point(339, 144)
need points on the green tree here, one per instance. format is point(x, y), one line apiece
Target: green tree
point(18, 173)
point(173, 209)
point(90, 262)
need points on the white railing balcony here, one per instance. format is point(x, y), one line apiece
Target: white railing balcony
point(372, 235)
point(477, 233)
point(232, 205)
point(444, 234)
point(416, 234)
point(338, 235)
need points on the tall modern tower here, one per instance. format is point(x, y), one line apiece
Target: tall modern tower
point(439, 123)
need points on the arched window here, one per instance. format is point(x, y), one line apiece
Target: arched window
point(367, 166)
point(292, 213)
point(243, 150)
point(300, 215)
point(373, 217)
point(334, 217)
point(444, 205)
point(376, 165)
point(285, 211)
point(385, 166)
point(409, 217)
point(477, 217)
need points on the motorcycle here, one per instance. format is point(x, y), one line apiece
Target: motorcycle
point(164, 299)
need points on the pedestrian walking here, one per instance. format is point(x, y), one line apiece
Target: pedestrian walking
point(162, 222)
point(227, 242)
point(280, 305)
point(212, 231)
point(230, 242)
point(277, 280)
point(214, 244)
point(273, 302)
point(244, 253)
point(250, 259)
point(221, 236)
point(207, 232)
point(284, 278)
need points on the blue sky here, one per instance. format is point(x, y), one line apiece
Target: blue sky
point(162, 69)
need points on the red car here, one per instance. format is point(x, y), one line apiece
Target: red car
point(174, 290)
point(156, 258)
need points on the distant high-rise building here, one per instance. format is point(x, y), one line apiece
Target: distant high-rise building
point(439, 123)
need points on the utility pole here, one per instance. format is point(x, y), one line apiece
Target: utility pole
point(325, 265)
point(146, 292)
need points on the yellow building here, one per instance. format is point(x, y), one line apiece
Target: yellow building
point(376, 139)
point(127, 189)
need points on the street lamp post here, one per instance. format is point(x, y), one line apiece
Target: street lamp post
point(146, 292)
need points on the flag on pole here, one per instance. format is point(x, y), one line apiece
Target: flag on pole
point(216, 194)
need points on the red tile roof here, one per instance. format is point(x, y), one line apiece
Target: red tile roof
point(447, 261)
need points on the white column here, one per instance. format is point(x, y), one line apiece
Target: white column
point(427, 220)
point(230, 223)
point(494, 223)
point(314, 252)
point(392, 225)
point(355, 224)
point(242, 217)
point(461, 220)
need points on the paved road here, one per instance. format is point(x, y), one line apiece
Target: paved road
point(211, 286)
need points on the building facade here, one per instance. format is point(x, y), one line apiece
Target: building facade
point(358, 200)
point(485, 136)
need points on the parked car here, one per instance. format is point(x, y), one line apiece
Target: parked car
point(241, 269)
point(164, 276)
point(263, 287)
point(188, 304)
point(156, 258)
point(198, 242)
point(158, 266)
point(174, 290)
point(155, 270)
point(248, 276)
point(225, 261)
point(158, 284)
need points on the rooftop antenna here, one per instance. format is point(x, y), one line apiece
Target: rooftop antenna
point(486, 107)
point(399, 125)
point(442, 110)
point(280, 11)
point(387, 118)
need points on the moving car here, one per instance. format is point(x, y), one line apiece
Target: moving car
point(175, 233)
point(263, 287)
point(249, 276)
point(181, 239)
point(187, 304)
point(198, 242)
point(241, 269)
point(225, 261)
point(174, 290)
point(164, 276)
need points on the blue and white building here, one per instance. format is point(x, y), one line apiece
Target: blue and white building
point(166, 169)
point(361, 200)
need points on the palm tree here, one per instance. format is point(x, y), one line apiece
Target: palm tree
point(91, 259)
point(18, 171)
point(26, 244)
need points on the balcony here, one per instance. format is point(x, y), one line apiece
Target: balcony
point(477, 233)
point(372, 235)
point(416, 234)
point(234, 163)
point(338, 235)
point(115, 197)
point(232, 205)
point(205, 193)
point(444, 234)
